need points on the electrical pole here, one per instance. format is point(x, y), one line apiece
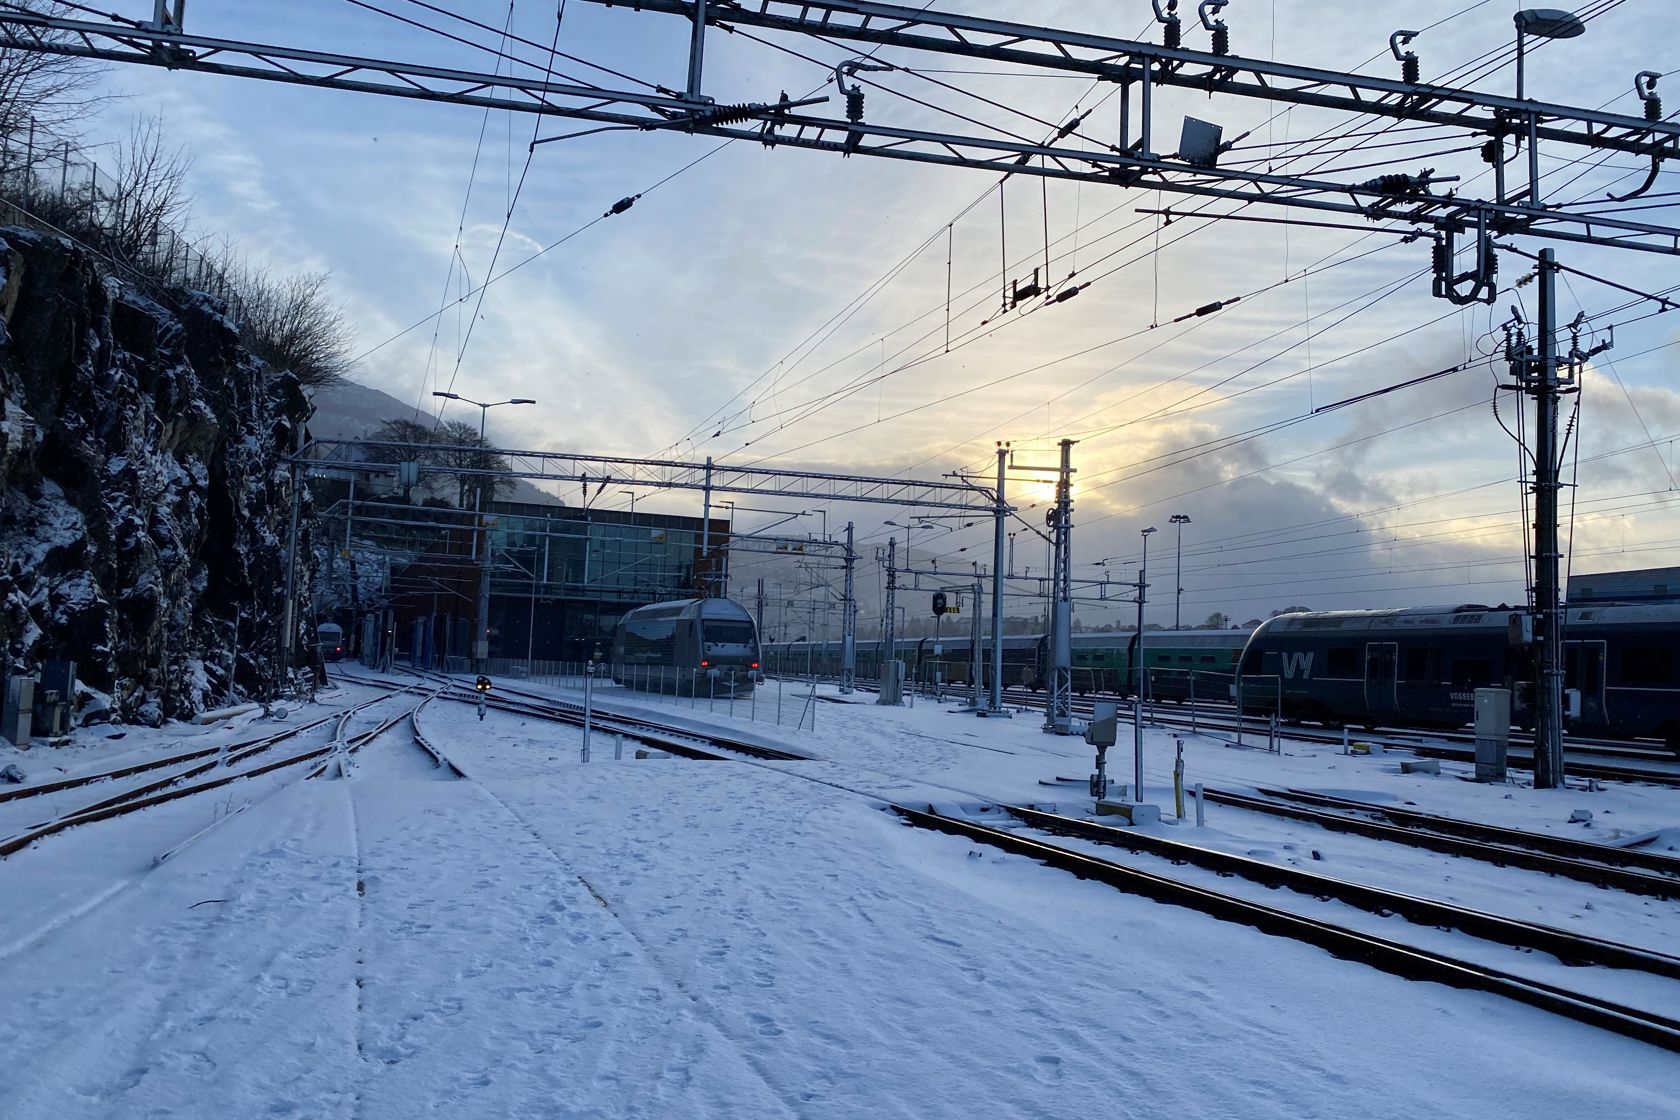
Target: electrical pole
point(889, 649)
point(848, 622)
point(1543, 381)
point(706, 534)
point(1142, 674)
point(288, 618)
point(1058, 713)
point(1534, 367)
point(994, 702)
point(974, 635)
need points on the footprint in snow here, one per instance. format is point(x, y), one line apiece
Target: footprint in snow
point(765, 1024)
point(1047, 1067)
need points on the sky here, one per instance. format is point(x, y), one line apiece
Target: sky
point(792, 307)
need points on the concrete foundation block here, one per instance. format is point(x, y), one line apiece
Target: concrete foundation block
point(1421, 766)
point(1365, 748)
point(1130, 812)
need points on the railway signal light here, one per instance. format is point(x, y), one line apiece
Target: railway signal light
point(482, 684)
point(939, 604)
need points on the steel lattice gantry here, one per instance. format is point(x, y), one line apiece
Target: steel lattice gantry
point(1126, 62)
point(658, 474)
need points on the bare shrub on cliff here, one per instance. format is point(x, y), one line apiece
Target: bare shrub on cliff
point(147, 192)
point(294, 324)
point(45, 99)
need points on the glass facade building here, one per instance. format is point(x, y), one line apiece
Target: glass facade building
point(561, 577)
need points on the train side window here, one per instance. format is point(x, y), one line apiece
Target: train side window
point(1417, 665)
point(1207, 659)
point(1471, 672)
point(1647, 665)
point(1344, 662)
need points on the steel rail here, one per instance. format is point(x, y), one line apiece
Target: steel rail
point(60, 785)
point(1570, 948)
point(1399, 959)
point(1493, 847)
point(1412, 821)
point(232, 757)
point(1394, 957)
point(649, 733)
point(741, 746)
point(117, 808)
point(1402, 740)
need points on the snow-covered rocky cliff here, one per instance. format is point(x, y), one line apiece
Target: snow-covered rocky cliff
point(144, 500)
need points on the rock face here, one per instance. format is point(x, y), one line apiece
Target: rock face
point(144, 501)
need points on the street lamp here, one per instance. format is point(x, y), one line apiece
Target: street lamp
point(1542, 23)
point(484, 407)
point(1181, 520)
point(481, 636)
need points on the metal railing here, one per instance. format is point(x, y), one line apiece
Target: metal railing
point(61, 189)
point(769, 700)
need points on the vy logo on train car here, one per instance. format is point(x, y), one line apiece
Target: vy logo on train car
point(1297, 664)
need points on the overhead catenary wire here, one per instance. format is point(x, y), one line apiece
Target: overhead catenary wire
point(801, 417)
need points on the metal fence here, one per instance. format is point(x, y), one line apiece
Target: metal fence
point(770, 700)
point(61, 189)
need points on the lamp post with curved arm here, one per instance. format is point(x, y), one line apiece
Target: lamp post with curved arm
point(481, 624)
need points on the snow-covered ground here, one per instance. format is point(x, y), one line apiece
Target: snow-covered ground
point(671, 938)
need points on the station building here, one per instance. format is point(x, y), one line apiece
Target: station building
point(1644, 585)
point(560, 579)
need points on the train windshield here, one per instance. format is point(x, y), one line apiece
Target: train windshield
point(729, 633)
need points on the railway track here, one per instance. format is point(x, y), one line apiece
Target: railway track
point(23, 793)
point(175, 786)
point(1223, 715)
point(650, 733)
point(1583, 755)
point(1392, 956)
point(1398, 958)
point(1615, 868)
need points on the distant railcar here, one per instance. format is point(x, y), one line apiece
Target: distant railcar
point(1421, 666)
point(330, 637)
point(687, 647)
point(1182, 664)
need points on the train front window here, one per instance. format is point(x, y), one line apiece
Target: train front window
point(729, 633)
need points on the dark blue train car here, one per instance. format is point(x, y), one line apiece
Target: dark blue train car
point(1420, 667)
